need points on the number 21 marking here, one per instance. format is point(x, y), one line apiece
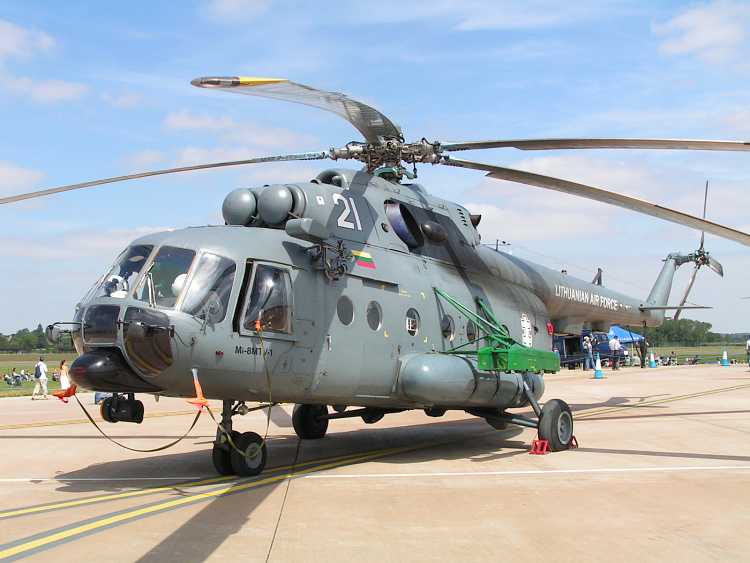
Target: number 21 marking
point(349, 211)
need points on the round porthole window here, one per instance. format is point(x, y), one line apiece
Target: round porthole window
point(345, 310)
point(374, 315)
point(412, 322)
point(448, 328)
point(471, 330)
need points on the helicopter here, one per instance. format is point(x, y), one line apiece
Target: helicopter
point(356, 294)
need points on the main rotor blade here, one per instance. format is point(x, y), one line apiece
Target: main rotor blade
point(605, 196)
point(687, 291)
point(373, 125)
point(92, 183)
point(716, 266)
point(555, 144)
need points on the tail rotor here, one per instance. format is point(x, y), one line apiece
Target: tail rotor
point(700, 258)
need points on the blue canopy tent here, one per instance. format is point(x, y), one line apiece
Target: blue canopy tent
point(624, 335)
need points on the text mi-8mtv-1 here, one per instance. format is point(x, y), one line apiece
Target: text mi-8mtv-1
point(354, 294)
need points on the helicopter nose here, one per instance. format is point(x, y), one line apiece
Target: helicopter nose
point(105, 369)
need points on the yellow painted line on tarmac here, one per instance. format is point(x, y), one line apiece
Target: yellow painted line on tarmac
point(84, 420)
point(607, 410)
point(126, 516)
point(165, 488)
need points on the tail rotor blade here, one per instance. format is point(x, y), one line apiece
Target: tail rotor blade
point(278, 158)
point(716, 266)
point(687, 291)
point(705, 201)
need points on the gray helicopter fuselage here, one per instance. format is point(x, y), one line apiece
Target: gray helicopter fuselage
point(372, 335)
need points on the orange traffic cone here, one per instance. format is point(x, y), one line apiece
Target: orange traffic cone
point(200, 401)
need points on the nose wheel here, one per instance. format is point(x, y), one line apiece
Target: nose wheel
point(234, 453)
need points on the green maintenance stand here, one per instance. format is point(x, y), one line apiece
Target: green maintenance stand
point(500, 352)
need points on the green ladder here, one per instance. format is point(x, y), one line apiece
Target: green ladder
point(500, 352)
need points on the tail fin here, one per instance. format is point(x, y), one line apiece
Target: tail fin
point(659, 296)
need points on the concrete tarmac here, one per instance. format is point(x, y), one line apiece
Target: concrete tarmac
point(662, 473)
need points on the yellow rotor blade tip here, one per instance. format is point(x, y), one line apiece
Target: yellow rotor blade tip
point(259, 81)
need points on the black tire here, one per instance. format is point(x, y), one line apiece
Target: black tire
point(306, 423)
point(105, 410)
point(556, 425)
point(221, 459)
point(220, 455)
point(371, 417)
point(496, 423)
point(251, 457)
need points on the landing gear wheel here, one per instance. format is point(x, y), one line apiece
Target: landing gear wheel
point(556, 425)
point(251, 457)
point(306, 421)
point(105, 408)
point(371, 417)
point(221, 455)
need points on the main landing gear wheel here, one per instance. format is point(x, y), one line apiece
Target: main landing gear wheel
point(251, 457)
point(556, 425)
point(307, 422)
point(221, 454)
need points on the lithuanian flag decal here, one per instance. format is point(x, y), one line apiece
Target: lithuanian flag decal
point(363, 259)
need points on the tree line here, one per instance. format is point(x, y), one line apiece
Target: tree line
point(26, 340)
point(687, 332)
point(684, 332)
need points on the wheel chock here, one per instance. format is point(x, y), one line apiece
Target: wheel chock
point(539, 447)
point(573, 443)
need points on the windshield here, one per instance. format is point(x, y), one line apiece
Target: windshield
point(207, 297)
point(122, 275)
point(165, 278)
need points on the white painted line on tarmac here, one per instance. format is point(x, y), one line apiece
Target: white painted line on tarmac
point(66, 479)
point(526, 472)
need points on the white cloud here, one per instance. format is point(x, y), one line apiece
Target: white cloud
point(236, 11)
point(472, 15)
point(19, 42)
point(78, 243)
point(200, 155)
point(244, 133)
point(144, 159)
point(122, 101)
point(15, 179)
point(45, 91)
point(184, 120)
point(714, 32)
point(738, 120)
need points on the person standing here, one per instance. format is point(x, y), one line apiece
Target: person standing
point(588, 353)
point(40, 375)
point(747, 349)
point(614, 347)
point(64, 377)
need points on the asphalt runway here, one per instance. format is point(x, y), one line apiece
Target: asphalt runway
point(662, 473)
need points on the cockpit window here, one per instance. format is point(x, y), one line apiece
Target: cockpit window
point(207, 296)
point(165, 279)
point(270, 301)
point(121, 277)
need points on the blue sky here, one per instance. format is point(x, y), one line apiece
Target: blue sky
point(100, 89)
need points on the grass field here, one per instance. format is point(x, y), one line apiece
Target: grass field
point(707, 354)
point(27, 362)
